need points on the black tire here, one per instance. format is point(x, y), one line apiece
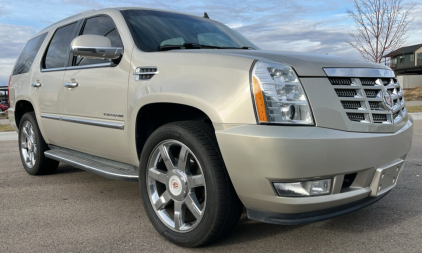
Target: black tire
point(223, 207)
point(42, 165)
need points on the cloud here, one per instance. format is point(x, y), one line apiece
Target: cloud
point(13, 39)
point(289, 25)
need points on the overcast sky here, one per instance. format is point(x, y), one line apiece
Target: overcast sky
point(302, 25)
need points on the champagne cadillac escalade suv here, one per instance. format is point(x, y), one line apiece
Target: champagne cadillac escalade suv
point(206, 121)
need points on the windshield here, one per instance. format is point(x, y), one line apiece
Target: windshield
point(156, 30)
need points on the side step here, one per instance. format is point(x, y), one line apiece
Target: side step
point(100, 166)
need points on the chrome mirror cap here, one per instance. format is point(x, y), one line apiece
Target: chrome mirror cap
point(95, 47)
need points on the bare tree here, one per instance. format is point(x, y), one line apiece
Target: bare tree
point(381, 27)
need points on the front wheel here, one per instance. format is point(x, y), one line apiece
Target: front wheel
point(186, 191)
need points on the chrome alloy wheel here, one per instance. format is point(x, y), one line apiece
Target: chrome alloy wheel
point(28, 144)
point(176, 186)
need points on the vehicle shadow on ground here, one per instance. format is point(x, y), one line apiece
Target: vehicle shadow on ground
point(67, 169)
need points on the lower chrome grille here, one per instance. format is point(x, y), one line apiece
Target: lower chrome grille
point(370, 100)
point(379, 118)
point(356, 116)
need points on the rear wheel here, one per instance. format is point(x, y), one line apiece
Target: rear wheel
point(186, 190)
point(33, 146)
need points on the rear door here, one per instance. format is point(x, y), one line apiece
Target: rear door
point(94, 112)
point(47, 82)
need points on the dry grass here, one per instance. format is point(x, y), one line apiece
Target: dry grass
point(4, 116)
point(416, 108)
point(414, 94)
point(6, 128)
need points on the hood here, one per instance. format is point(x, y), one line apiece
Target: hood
point(304, 64)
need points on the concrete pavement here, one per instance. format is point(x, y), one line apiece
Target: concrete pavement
point(77, 211)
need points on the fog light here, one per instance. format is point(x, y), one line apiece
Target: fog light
point(307, 188)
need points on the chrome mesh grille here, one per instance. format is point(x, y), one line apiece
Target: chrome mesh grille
point(363, 99)
point(372, 93)
point(345, 93)
point(356, 116)
point(351, 104)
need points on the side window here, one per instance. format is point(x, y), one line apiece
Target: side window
point(24, 62)
point(59, 48)
point(104, 26)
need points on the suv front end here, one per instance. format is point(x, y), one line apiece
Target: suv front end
point(322, 146)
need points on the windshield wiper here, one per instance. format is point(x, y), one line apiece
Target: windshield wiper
point(195, 46)
point(185, 46)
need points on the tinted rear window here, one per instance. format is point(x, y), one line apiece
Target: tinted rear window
point(28, 54)
point(59, 49)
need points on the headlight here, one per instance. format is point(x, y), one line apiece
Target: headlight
point(279, 95)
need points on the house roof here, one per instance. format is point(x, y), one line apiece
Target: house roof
point(404, 50)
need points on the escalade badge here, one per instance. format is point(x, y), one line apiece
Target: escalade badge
point(388, 101)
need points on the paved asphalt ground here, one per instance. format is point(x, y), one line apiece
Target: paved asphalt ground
point(76, 211)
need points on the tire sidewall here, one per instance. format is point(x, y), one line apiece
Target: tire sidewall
point(31, 118)
point(208, 220)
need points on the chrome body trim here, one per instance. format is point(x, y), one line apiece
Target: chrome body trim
point(359, 72)
point(50, 116)
point(94, 123)
point(85, 122)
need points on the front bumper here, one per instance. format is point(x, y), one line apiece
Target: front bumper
point(256, 155)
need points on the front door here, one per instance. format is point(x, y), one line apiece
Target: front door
point(94, 98)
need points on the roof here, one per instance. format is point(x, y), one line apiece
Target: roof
point(4, 88)
point(404, 50)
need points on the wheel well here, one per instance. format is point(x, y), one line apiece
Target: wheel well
point(152, 116)
point(21, 108)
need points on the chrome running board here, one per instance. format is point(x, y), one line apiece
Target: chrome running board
point(100, 166)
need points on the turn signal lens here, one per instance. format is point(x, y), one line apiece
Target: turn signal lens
point(259, 100)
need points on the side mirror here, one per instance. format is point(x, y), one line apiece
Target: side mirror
point(95, 47)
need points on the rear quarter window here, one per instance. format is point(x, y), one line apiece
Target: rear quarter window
point(27, 56)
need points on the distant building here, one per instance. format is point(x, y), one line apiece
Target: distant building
point(406, 60)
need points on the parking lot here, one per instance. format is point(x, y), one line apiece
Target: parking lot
point(76, 211)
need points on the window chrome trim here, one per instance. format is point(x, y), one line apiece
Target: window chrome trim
point(53, 69)
point(98, 65)
point(359, 72)
point(85, 122)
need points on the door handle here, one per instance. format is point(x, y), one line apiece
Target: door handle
point(36, 85)
point(71, 85)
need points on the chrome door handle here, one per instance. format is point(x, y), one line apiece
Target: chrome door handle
point(71, 85)
point(36, 85)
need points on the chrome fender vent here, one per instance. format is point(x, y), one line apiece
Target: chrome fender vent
point(145, 73)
